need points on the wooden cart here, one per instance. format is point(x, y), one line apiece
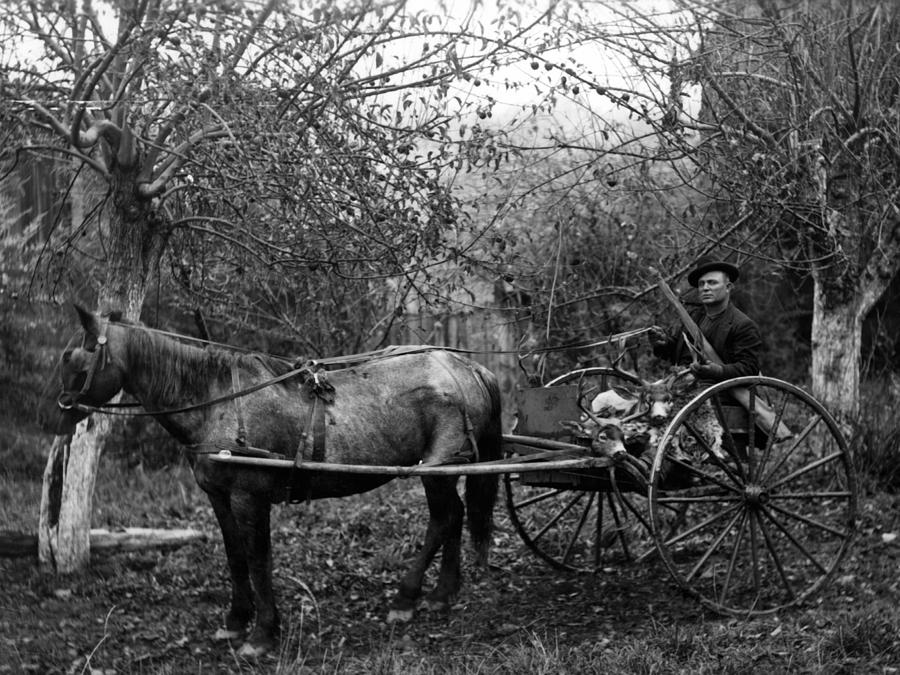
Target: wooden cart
point(750, 509)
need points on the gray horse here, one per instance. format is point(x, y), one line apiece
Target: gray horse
point(424, 405)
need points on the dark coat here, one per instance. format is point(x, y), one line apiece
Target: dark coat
point(736, 339)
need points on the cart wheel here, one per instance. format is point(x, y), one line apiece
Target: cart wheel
point(766, 496)
point(581, 520)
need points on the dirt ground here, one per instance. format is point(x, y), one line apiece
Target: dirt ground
point(336, 566)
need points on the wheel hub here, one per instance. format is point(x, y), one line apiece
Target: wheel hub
point(755, 495)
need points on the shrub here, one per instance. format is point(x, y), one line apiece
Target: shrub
point(876, 443)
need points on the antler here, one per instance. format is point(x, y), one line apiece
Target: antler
point(603, 424)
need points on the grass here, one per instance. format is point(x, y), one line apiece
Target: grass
point(876, 445)
point(336, 566)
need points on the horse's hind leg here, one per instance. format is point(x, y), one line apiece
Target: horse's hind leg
point(444, 530)
point(252, 515)
point(241, 611)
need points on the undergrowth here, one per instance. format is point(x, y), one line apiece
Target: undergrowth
point(876, 443)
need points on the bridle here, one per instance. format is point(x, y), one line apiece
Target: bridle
point(69, 398)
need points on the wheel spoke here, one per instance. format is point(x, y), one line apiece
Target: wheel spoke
point(751, 439)
point(702, 525)
point(714, 546)
point(581, 521)
point(800, 547)
point(729, 437)
point(754, 553)
point(837, 494)
point(711, 455)
point(628, 505)
point(701, 499)
point(620, 533)
point(706, 476)
point(732, 561)
point(555, 519)
point(809, 467)
point(770, 441)
point(796, 443)
point(598, 532)
point(538, 498)
point(807, 520)
point(773, 553)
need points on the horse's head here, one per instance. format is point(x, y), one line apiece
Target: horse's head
point(88, 377)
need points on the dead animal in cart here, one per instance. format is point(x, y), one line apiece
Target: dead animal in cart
point(427, 406)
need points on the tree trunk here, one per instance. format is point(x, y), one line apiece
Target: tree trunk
point(836, 347)
point(136, 239)
point(66, 498)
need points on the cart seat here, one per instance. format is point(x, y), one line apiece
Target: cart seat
point(541, 409)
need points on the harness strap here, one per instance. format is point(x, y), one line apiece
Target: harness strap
point(313, 433)
point(110, 408)
point(319, 392)
point(238, 407)
point(98, 358)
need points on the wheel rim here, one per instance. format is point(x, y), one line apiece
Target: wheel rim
point(574, 529)
point(762, 528)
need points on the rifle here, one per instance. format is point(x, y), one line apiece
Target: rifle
point(765, 416)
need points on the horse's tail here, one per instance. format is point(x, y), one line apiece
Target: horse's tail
point(481, 489)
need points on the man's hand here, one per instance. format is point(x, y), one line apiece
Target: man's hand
point(657, 336)
point(708, 371)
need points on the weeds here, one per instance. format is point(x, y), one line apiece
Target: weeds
point(876, 445)
point(863, 636)
point(339, 561)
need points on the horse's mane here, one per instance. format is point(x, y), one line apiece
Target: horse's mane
point(179, 371)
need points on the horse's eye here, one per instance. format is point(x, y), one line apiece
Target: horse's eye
point(66, 356)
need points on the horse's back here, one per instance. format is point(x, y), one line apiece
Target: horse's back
point(401, 407)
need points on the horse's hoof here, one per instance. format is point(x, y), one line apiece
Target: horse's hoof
point(252, 652)
point(400, 615)
point(225, 634)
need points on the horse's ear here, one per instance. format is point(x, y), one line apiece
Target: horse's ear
point(88, 321)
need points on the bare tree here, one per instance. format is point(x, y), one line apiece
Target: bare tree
point(792, 149)
point(248, 141)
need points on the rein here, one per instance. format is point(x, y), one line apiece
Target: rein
point(613, 339)
point(112, 408)
point(310, 367)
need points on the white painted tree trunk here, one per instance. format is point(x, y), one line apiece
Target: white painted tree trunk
point(135, 246)
point(67, 498)
point(836, 347)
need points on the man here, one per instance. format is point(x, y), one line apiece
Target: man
point(733, 335)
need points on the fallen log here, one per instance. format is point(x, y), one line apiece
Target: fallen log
point(24, 545)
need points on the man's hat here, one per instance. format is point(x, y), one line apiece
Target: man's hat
point(709, 263)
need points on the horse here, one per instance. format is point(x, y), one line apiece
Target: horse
point(421, 405)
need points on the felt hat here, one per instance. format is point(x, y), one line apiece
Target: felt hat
point(708, 263)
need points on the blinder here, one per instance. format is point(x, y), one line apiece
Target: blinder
point(70, 398)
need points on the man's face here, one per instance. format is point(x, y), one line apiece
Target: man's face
point(714, 287)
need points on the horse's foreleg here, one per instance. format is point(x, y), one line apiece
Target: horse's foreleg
point(444, 530)
point(252, 517)
point(240, 612)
